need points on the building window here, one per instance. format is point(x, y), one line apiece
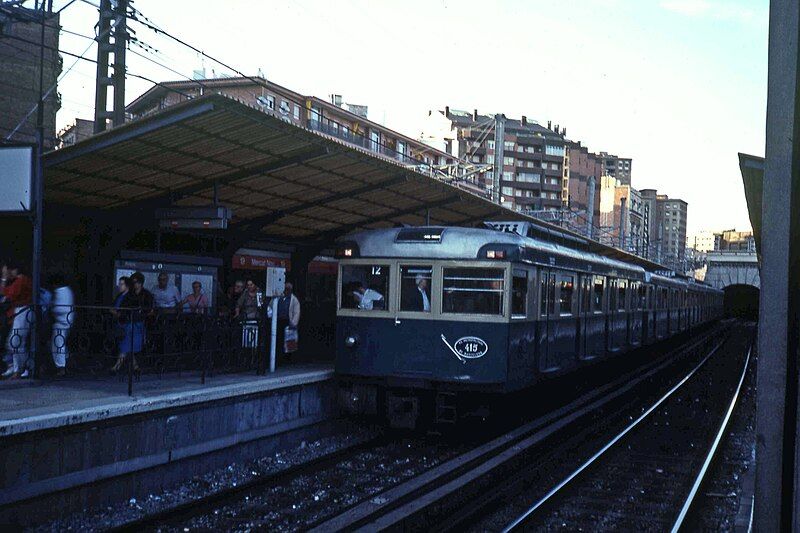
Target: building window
point(296, 113)
point(270, 102)
point(490, 144)
point(528, 177)
point(508, 161)
point(509, 191)
point(284, 107)
point(508, 176)
point(544, 164)
point(374, 140)
point(508, 145)
point(489, 159)
point(554, 150)
point(555, 166)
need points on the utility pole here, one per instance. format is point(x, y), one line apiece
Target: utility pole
point(499, 145)
point(38, 193)
point(111, 26)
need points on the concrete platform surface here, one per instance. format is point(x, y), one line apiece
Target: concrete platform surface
point(58, 403)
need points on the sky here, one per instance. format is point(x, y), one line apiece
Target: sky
point(678, 85)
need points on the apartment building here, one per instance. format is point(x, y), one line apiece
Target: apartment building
point(585, 171)
point(77, 131)
point(530, 170)
point(734, 241)
point(630, 227)
point(672, 214)
point(619, 167)
point(347, 122)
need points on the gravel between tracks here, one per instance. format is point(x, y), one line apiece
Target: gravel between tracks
point(201, 486)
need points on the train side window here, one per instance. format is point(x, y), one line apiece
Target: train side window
point(621, 290)
point(551, 295)
point(566, 292)
point(519, 293)
point(473, 290)
point(642, 296)
point(415, 288)
point(365, 287)
point(597, 294)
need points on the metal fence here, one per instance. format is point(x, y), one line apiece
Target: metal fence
point(103, 341)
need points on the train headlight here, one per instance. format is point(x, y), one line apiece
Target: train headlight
point(351, 341)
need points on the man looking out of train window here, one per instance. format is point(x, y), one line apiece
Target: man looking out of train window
point(422, 301)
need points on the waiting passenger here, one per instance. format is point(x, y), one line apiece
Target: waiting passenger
point(166, 296)
point(368, 299)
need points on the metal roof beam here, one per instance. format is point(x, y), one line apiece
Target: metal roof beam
point(228, 179)
point(277, 215)
point(327, 235)
point(128, 132)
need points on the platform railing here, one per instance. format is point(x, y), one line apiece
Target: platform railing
point(104, 341)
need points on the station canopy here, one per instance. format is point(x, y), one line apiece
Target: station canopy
point(281, 181)
point(752, 169)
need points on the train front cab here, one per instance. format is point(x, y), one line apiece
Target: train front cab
point(461, 338)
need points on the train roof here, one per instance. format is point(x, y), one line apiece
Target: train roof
point(453, 242)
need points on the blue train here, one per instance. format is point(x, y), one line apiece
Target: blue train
point(426, 312)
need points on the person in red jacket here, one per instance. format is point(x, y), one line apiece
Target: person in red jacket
point(16, 290)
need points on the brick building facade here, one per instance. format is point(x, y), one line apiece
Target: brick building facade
point(20, 39)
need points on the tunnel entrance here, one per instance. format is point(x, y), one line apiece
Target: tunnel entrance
point(741, 301)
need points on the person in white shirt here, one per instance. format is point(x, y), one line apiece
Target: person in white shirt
point(366, 298)
point(166, 296)
point(62, 310)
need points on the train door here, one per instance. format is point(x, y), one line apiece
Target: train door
point(636, 306)
point(584, 316)
point(611, 315)
point(625, 307)
point(547, 296)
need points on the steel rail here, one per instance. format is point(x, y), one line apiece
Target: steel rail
point(713, 450)
point(188, 509)
point(520, 520)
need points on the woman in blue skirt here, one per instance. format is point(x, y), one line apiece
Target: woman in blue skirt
point(135, 307)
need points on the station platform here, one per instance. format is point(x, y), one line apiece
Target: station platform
point(66, 445)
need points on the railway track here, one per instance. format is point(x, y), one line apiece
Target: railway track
point(646, 477)
point(453, 494)
point(419, 478)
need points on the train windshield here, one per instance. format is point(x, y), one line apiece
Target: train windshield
point(365, 287)
point(473, 290)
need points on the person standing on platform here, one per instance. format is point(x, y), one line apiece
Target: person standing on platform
point(288, 320)
point(248, 304)
point(234, 293)
point(123, 284)
point(62, 312)
point(135, 306)
point(166, 297)
point(17, 290)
